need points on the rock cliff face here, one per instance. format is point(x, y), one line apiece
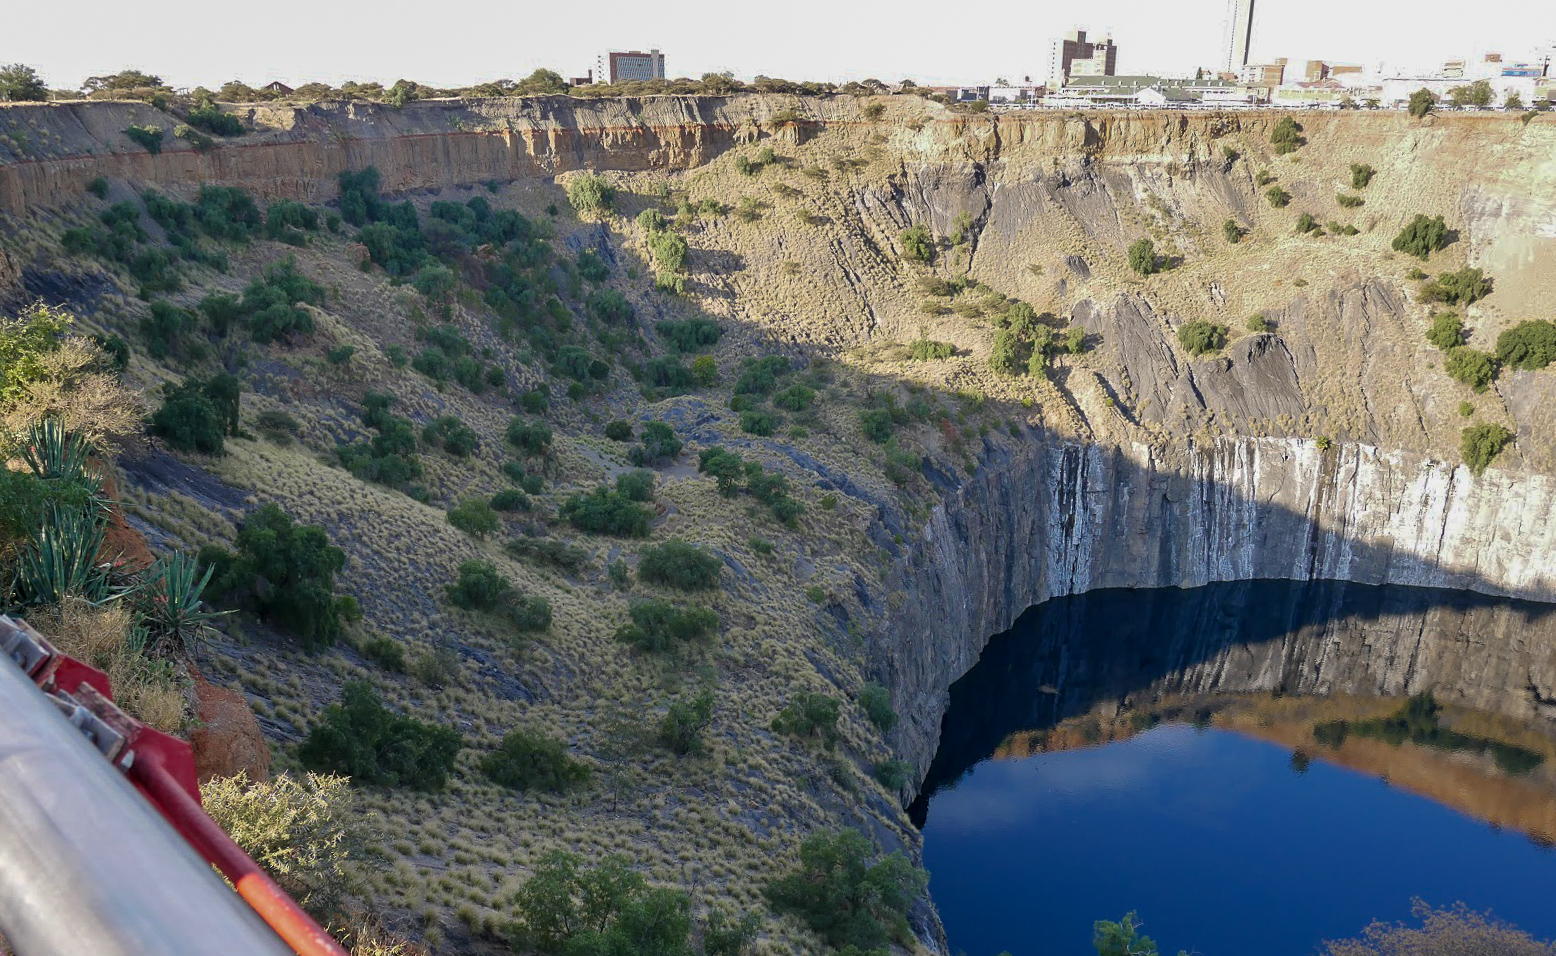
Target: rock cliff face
point(1066, 519)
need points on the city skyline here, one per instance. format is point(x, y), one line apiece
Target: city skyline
point(813, 41)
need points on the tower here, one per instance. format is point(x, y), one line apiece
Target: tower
point(1239, 33)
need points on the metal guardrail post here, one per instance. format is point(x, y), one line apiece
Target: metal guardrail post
point(87, 865)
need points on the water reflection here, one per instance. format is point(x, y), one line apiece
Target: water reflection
point(1254, 767)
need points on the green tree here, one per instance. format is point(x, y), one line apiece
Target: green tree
point(810, 715)
point(876, 703)
point(364, 740)
point(1447, 331)
point(845, 898)
point(1201, 337)
point(526, 760)
point(683, 724)
point(1005, 357)
point(1278, 197)
point(475, 517)
point(1287, 136)
point(1528, 345)
point(20, 83)
point(286, 572)
point(1422, 236)
point(1478, 93)
point(1473, 367)
point(591, 194)
point(1232, 231)
point(1142, 257)
point(1122, 938)
point(917, 243)
point(1421, 102)
point(1361, 175)
point(679, 564)
point(1480, 444)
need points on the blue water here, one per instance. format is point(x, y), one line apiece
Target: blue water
point(1222, 848)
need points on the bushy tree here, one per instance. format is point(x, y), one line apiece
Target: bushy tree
point(658, 444)
point(1232, 231)
point(481, 587)
point(475, 517)
point(876, 703)
point(286, 572)
point(843, 897)
point(681, 728)
point(1478, 93)
point(198, 415)
point(364, 740)
point(606, 910)
point(1142, 257)
point(810, 715)
point(661, 626)
point(1480, 444)
point(20, 83)
point(1361, 175)
point(1421, 102)
point(527, 760)
point(1447, 331)
point(1463, 287)
point(591, 194)
point(1287, 136)
point(917, 243)
point(604, 511)
point(1201, 337)
point(1278, 197)
point(1528, 345)
point(1422, 236)
point(1473, 367)
point(679, 564)
point(690, 335)
point(531, 438)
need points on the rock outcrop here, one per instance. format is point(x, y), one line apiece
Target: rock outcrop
point(1066, 519)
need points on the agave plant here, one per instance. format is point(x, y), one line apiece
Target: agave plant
point(53, 454)
point(169, 602)
point(61, 559)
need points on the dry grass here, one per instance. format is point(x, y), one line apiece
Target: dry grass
point(153, 691)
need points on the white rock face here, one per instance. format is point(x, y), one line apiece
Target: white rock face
point(1066, 519)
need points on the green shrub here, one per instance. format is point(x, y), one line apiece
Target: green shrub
point(876, 703)
point(481, 587)
point(893, 774)
point(759, 423)
point(1473, 367)
point(1263, 178)
point(530, 438)
point(1528, 345)
point(795, 398)
point(1456, 288)
point(452, 435)
point(658, 444)
point(1447, 331)
point(877, 424)
point(852, 904)
point(475, 517)
point(760, 376)
point(591, 194)
point(148, 138)
point(924, 349)
point(1422, 236)
point(618, 431)
point(209, 117)
point(364, 740)
point(636, 485)
point(1287, 136)
point(690, 335)
point(1232, 231)
point(669, 251)
point(1201, 337)
point(286, 572)
point(98, 187)
point(1349, 202)
point(1480, 444)
point(165, 329)
point(197, 140)
point(610, 307)
point(1257, 323)
point(1421, 102)
point(1142, 257)
point(873, 111)
point(810, 715)
point(591, 268)
point(197, 416)
point(1306, 223)
point(548, 551)
point(510, 499)
point(1466, 409)
point(1278, 197)
point(386, 652)
point(678, 564)
point(526, 760)
point(603, 511)
point(278, 426)
point(1361, 175)
point(605, 911)
point(536, 401)
point(917, 243)
point(658, 626)
point(681, 728)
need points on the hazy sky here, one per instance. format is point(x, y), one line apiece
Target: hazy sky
point(459, 42)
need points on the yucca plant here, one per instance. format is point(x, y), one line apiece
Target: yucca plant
point(61, 559)
point(53, 454)
point(169, 601)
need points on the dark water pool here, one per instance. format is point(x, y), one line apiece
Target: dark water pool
point(1126, 751)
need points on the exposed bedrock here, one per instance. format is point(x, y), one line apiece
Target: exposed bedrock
point(1065, 519)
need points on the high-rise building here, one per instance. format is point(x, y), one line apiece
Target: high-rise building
point(1074, 55)
point(635, 65)
point(1239, 33)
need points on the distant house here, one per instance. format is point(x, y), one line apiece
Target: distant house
point(1151, 91)
point(278, 88)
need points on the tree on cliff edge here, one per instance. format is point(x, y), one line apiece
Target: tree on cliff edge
point(20, 83)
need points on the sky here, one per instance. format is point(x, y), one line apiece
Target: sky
point(463, 42)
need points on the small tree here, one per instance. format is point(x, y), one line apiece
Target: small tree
point(591, 194)
point(1287, 136)
point(1142, 257)
point(364, 740)
point(1422, 236)
point(1473, 367)
point(286, 571)
point(876, 702)
point(1447, 332)
point(20, 83)
point(526, 760)
point(1201, 337)
point(1232, 231)
point(1361, 175)
point(679, 564)
point(847, 900)
point(1528, 345)
point(1480, 444)
point(681, 728)
point(917, 243)
point(1278, 197)
point(1421, 102)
